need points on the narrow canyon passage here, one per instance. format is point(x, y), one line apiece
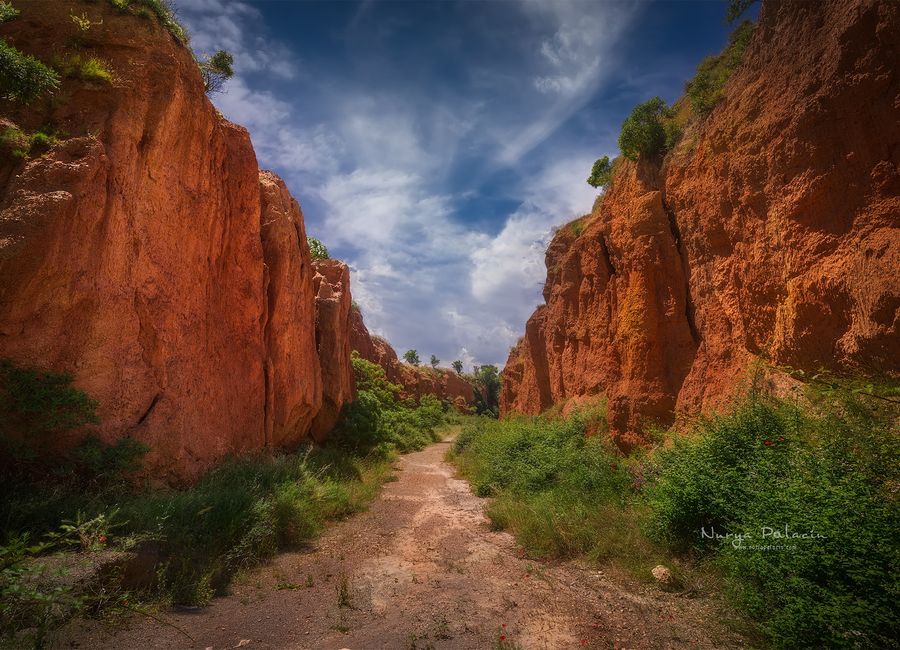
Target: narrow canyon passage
point(420, 569)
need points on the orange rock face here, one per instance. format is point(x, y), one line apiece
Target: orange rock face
point(293, 398)
point(333, 306)
point(415, 382)
point(147, 255)
point(772, 231)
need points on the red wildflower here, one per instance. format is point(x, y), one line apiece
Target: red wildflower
point(584, 642)
point(503, 625)
point(102, 538)
point(767, 443)
point(780, 438)
point(503, 637)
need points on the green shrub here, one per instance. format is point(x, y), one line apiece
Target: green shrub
point(378, 421)
point(16, 141)
point(21, 144)
point(412, 357)
point(165, 15)
point(705, 90)
point(830, 471)
point(43, 402)
point(216, 70)
point(7, 12)
point(22, 77)
point(86, 68)
point(317, 249)
point(601, 173)
point(643, 132)
point(736, 8)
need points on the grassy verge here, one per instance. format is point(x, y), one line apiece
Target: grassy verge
point(196, 539)
point(810, 487)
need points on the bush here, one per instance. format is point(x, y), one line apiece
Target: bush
point(7, 12)
point(165, 15)
point(21, 144)
point(412, 357)
point(643, 132)
point(829, 471)
point(22, 77)
point(42, 402)
point(86, 68)
point(216, 70)
point(601, 173)
point(317, 249)
point(379, 422)
point(705, 90)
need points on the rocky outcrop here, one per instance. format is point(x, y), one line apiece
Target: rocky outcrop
point(333, 305)
point(772, 232)
point(293, 398)
point(414, 382)
point(147, 255)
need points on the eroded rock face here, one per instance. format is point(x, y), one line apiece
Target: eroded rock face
point(770, 232)
point(333, 305)
point(146, 255)
point(415, 382)
point(294, 392)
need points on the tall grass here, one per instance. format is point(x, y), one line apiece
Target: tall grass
point(827, 468)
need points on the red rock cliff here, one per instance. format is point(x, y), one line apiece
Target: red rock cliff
point(333, 303)
point(415, 382)
point(146, 254)
point(771, 231)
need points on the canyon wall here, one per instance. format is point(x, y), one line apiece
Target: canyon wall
point(146, 254)
point(771, 232)
point(414, 382)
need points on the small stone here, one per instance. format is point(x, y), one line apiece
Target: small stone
point(663, 575)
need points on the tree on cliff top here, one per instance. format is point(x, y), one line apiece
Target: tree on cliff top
point(643, 132)
point(317, 249)
point(434, 361)
point(600, 173)
point(216, 70)
point(412, 357)
point(457, 366)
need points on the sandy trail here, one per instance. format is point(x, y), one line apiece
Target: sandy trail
point(422, 569)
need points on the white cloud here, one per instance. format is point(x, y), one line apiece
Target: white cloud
point(379, 160)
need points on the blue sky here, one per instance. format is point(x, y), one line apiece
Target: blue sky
point(433, 146)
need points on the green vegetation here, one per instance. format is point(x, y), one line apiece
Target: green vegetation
point(601, 173)
point(163, 13)
point(21, 144)
point(236, 516)
point(216, 70)
point(827, 468)
point(7, 12)
point(648, 131)
point(487, 390)
point(317, 249)
point(736, 9)
point(457, 366)
point(705, 90)
point(379, 422)
point(412, 357)
point(86, 68)
point(434, 361)
point(22, 77)
point(830, 470)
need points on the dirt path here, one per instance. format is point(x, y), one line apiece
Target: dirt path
point(422, 569)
